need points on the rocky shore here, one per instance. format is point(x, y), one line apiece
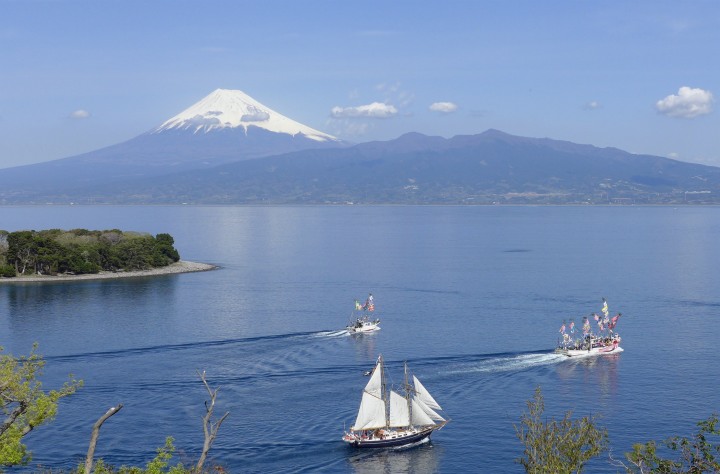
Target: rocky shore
point(178, 267)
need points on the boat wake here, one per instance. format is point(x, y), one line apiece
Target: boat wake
point(506, 363)
point(164, 348)
point(411, 445)
point(331, 334)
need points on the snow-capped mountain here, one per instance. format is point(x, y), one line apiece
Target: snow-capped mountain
point(224, 127)
point(225, 108)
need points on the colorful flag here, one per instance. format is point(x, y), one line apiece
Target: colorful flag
point(572, 327)
point(358, 306)
point(614, 320)
point(605, 307)
point(369, 302)
point(562, 328)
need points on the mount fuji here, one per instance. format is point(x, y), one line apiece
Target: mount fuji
point(233, 109)
point(224, 127)
point(230, 149)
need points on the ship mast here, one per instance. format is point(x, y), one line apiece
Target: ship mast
point(384, 392)
point(407, 396)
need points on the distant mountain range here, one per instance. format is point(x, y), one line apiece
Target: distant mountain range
point(230, 149)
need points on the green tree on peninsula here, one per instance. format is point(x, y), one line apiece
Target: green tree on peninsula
point(78, 251)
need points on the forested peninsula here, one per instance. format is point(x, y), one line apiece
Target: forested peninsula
point(58, 252)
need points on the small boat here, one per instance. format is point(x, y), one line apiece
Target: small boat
point(605, 341)
point(363, 325)
point(360, 322)
point(387, 418)
point(594, 345)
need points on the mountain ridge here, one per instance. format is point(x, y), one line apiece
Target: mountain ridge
point(487, 168)
point(176, 146)
point(230, 149)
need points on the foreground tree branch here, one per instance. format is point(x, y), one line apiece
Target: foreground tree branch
point(95, 434)
point(558, 447)
point(24, 404)
point(209, 427)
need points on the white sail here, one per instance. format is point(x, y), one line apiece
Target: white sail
point(424, 395)
point(429, 411)
point(374, 386)
point(399, 414)
point(371, 414)
point(419, 417)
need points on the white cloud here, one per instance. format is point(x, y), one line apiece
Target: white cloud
point(444, 107)
point(255, 115)
point(80, 114)
point(592, 105)
point(688, 103)
point(374, 110)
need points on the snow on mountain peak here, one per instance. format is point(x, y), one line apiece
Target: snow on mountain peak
point(225, 108)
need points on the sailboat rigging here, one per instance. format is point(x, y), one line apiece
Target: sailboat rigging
point(387, 418)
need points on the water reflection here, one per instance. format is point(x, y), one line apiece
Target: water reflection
point(94, 312)
point(421, 459)
point(365, 345)
point(599, 372)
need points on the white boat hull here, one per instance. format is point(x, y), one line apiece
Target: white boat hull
point(364, 326)
point(593, 352)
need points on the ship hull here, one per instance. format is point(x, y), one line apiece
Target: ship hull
point(593, 352)
point(363, 326)
point(390, 441)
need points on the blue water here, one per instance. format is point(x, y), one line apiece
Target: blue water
point(471, 297)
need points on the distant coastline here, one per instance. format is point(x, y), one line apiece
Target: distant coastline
point(181, 266)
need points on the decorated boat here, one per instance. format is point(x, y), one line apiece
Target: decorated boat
point(360, 319)
point(604, 340)
point(393, 417)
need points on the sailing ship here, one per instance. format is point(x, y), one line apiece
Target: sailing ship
point(387, 418)
point(605, 341)
point(360, 321)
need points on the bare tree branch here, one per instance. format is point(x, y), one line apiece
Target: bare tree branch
point(209, 428)
point(95, 434)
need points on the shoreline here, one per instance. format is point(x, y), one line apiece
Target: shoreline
point(182, 266)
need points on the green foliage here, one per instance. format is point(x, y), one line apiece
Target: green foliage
point(697, 453)
point(557, 447)
point(160, 464)
point(7, 271)
point(164, 246)
point(79, 251)
point(24, 404)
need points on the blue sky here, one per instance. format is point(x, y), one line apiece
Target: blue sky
point(642, 76)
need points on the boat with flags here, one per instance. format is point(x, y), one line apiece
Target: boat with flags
point(360, 319)
point(393, 417)
point(586, 342)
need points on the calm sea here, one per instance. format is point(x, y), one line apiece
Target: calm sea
point(471, 297)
